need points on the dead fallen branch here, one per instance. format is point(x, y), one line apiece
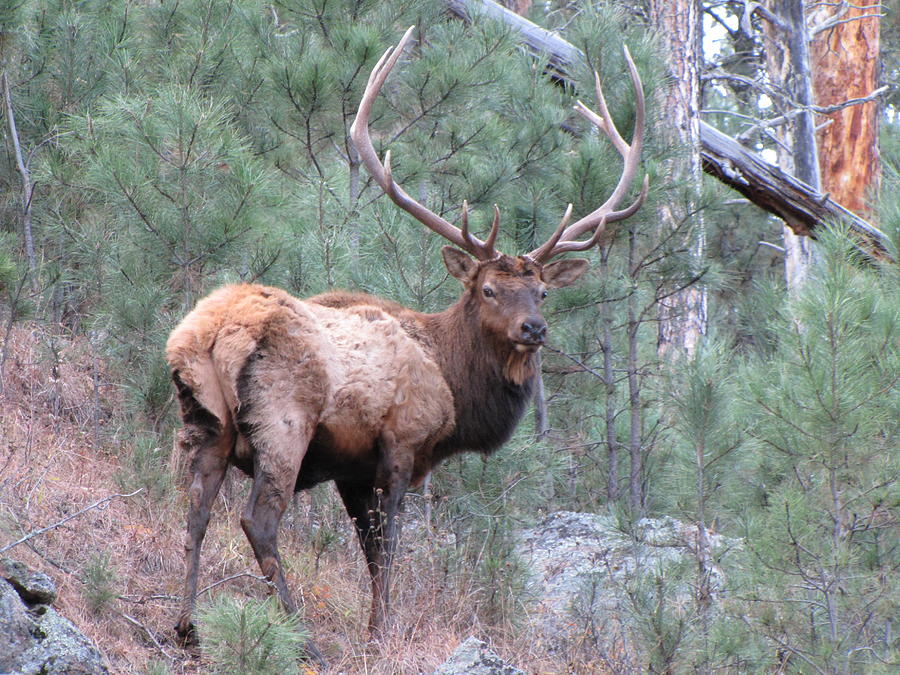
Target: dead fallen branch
point(239, 575)
point(97, 504)
point(149, 633)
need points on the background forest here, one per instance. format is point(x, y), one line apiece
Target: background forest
point(156, 150)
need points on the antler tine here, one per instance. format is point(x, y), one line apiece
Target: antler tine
point(597, 220)
point(485, 249)
point(557, 233)
point(381, 173)
point(492, 236)
point(566, 246)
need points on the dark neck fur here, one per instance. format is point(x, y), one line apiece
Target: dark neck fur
point(489, 404)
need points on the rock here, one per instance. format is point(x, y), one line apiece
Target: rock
point(34, 638)
point(33, 587)
point(474, 657)
point(587, 573)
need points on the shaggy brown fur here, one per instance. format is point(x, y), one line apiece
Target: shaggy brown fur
point(351, 388)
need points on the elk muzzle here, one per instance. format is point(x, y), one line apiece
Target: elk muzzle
point(530, 333)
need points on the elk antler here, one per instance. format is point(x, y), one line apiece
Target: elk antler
point(566, 238)
point(359, 132)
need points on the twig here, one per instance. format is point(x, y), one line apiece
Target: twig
point(35, 533)
point(135, 622)
point(144, 599)
point(232, 577)
point(778, 248)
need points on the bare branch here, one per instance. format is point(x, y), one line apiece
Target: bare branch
point(239, 575)
point(35, 533)
point(135, 622)
point(27, 187)
point(837, 19)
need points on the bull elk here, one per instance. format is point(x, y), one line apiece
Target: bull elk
point(363, 391)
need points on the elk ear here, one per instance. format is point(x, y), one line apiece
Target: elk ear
point(564, 272)
point(459, 264)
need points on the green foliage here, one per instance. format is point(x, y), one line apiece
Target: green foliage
point(824, 410)
point(706, 441)
point(100, 582)
point(663, 622)
point(250, 637)
point(145, 466)
point(12, 270)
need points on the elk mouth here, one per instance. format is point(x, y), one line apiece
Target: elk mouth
point(528, 347)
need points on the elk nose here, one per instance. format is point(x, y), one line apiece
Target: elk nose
point(534, 330)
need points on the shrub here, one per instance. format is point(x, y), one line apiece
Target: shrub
point(100, 582)
point(250, 637)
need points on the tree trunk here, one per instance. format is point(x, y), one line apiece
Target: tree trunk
point(609, 383)
point(845, 58)
point(787, 62)
point(682, 316)
point(635, 410)
point(27, 193)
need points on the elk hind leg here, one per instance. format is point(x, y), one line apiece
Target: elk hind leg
point(373, 510)
point(278, 449)
point(209, 447)
point(276, 466)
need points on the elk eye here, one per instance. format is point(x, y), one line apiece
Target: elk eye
point(488, 292)
point(544, 293)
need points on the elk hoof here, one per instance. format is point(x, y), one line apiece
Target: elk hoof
point(186, 634)
point(314, 655)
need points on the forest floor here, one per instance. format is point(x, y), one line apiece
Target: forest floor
point(119, 567)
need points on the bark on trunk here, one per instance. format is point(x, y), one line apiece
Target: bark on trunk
point(846, 62)
point(682, 316)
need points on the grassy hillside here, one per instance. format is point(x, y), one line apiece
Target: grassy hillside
point(119, 566)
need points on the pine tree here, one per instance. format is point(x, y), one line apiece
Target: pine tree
point(824, 409)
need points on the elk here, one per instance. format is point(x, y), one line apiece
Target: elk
point(359, 390)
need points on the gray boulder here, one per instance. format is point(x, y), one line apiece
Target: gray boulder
point(34, 638)
point(33, 587)
point(474, 657)
point(589, 577)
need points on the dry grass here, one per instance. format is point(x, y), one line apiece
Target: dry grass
point(60, 451)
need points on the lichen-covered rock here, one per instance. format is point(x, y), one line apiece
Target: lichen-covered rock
point(15, 627)
point(474, 657)
point(34, 638)
point(32, 586)
point(589, 576)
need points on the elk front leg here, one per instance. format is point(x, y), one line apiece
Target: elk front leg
point(208, 467)
point(373, 510)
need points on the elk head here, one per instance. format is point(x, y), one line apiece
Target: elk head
point(507, 291)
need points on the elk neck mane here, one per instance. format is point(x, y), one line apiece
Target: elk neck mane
point(491, 381)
